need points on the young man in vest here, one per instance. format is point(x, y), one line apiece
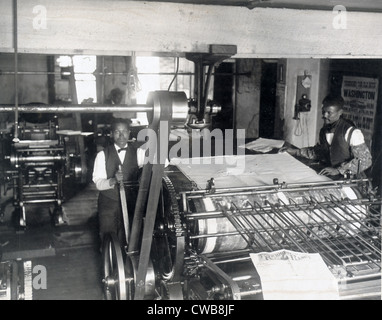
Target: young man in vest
point(107, 175)
point(341, 147)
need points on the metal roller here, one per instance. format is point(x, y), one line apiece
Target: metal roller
point(167, 105)
point(213, 234)
point(34, 160)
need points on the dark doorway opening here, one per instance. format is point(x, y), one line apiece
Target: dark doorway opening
point(223, 94)
point(268, 99)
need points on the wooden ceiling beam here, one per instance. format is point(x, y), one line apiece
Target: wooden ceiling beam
point(349, 5)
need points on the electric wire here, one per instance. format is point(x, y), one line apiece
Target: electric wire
point(175, 75)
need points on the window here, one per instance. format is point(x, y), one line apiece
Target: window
point(84, 68)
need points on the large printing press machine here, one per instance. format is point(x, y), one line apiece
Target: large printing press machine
point(211, 225)
point(241, 226)
point(214, 227)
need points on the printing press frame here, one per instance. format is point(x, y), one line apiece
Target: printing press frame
point(180, 266)
point(36, 162)
point(166, 256)
point(352, 255)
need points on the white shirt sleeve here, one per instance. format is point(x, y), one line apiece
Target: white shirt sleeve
point(141, 157)
point(356, 138)
point(99, 172)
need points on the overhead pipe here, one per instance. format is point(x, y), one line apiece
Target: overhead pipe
point(16, 137)
point(44, 108)
point(248, 74)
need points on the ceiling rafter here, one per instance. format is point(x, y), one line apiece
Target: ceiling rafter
point(349, 5)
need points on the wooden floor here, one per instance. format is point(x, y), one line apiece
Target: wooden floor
point(70, 253)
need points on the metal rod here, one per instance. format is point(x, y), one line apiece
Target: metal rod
point(230, 259)
point(204, 215)
point(348, 205)
point(249, 238)
point(281, 236)
point(343, 219)
point(273, 217)
point(304, 235)
point(214, 235)
point(76, 108)
point(354, 235)
point(27, 186)
point(16, 69)
point(39, 193)
point(39, 201)
point(344, 239)
point(275, 188)
point(37, 158)
point(36, 149)
point(119, 73)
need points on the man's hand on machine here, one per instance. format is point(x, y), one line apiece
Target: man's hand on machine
point(291, 151)
point(118, 178)
point(329, 171)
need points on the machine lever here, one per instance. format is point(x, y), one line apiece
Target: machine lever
point(125, 214)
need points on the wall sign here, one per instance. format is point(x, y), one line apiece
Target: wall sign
point(361, 95)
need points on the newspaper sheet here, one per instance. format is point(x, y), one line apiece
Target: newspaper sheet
point(289, 275)
point(247, 170)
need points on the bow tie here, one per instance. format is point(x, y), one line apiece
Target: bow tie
point(330, 128)
point(122, 149)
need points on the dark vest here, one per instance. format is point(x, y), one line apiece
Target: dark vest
point(130, 168)
point(339, 151)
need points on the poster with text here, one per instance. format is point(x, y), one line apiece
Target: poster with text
point(361, 95)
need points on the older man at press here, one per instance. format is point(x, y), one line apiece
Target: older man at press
point(341, 148)
point(120, 162)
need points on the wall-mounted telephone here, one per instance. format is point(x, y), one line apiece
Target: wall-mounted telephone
point(303, 105)
point(302, 93)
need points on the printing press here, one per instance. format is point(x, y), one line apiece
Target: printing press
point(199, 220)
point(338, 220)
point(38, 155)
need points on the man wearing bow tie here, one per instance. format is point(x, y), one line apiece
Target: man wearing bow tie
point(341, 147)
point(121, 154)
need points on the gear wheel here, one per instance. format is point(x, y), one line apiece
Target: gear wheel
point(169, 240)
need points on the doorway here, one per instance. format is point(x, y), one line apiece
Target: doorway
point(268, 99)
point(223, 95)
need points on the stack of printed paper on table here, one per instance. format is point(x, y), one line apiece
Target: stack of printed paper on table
point(263, 145)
